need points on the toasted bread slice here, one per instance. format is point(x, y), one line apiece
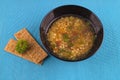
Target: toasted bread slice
point(35, 51)
point(10, 47)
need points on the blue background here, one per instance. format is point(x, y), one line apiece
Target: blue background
point(17, 14)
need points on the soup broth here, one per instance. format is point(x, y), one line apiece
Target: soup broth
point(71, 37)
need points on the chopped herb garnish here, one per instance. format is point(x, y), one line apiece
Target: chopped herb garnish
point(63, 50)
point(69, 27)
point(70, 44)
point(53, 45)
point(22, 46)
point(65, 37)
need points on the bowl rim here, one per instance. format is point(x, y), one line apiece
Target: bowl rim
point(51, 53)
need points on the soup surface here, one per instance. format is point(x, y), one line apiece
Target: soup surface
point(71, 37)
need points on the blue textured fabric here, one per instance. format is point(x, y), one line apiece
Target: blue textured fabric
point(17, 14)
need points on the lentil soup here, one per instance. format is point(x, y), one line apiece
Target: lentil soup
point(71, 37)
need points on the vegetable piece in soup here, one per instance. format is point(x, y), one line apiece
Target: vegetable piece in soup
point(71, 37)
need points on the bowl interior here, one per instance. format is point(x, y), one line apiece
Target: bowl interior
point(72, 10)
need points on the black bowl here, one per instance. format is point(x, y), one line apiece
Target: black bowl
point(75, 11)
